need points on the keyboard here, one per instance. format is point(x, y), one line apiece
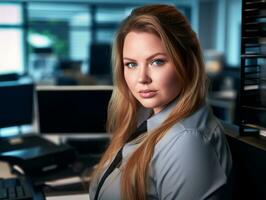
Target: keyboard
point(18, 189)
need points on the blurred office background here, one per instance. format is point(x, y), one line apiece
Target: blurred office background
point(66, 42)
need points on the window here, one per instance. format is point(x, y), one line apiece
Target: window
point(11, 39)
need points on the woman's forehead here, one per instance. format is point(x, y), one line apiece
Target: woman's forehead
point(142, 43)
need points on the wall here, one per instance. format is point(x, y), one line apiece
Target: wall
point(219, 28)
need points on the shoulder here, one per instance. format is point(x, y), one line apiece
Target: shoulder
point(186, 167)
point(200, 129)
point(193, 139)
point(182, 144)
point(192, 156)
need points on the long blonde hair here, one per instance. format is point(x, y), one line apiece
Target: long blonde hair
point(183, 47)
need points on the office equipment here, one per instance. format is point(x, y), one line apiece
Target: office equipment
point(70, 65)
point(33, 154)
point(70, 73)
point(16, 107)
point(9, 77)
point(73, 109)
point(253, 68)
point(77, 113)
point(100, 59)
point(36, 156)
point(19, 189)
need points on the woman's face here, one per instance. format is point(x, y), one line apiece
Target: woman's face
point(149, 72)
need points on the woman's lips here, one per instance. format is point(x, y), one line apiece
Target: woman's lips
point(147, 93)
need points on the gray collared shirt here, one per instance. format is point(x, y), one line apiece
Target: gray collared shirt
point(191, 162)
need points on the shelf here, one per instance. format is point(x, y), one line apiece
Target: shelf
point(255, 5)
point(248, 56)
point(254, 117)
point(253, 66)
point(255, 126)
point(258, 109)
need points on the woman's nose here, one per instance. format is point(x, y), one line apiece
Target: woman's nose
point(144, 76)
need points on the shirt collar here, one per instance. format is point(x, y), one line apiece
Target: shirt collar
point(157, 119)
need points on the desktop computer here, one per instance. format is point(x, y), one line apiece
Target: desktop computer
point(62, 111)
point(32, 153)
point(73, 109)
point(77, 114)
point(100, 59)
point(16, 105)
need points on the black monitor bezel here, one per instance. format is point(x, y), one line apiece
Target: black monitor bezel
point(72, 89)
point(17, 119)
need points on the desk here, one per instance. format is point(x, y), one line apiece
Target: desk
point(63, 137)
point(46, 180)
point(5, 170)
point(68, 181)
point(58, 190)
point(70, 197)
point(249, 164)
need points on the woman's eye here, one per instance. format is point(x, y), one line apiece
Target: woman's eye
point(158, 62)
point(131, 64)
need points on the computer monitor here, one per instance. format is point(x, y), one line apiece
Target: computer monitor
point(73, 109)
point(100, 59)
point(16, 103)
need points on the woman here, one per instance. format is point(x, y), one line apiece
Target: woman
point(159, 79)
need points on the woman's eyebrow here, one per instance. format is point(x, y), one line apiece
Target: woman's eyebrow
point(130, 59)
point(149, 58)
point(156, 54)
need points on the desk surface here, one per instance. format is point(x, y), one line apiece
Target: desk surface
point(70, 197)
point(5, 170)
point(57, 189)
point(66, 187)
point(256, 141)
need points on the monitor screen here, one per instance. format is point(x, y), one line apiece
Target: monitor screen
point(73, 109)
point(100, 59)
point(16, 103)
